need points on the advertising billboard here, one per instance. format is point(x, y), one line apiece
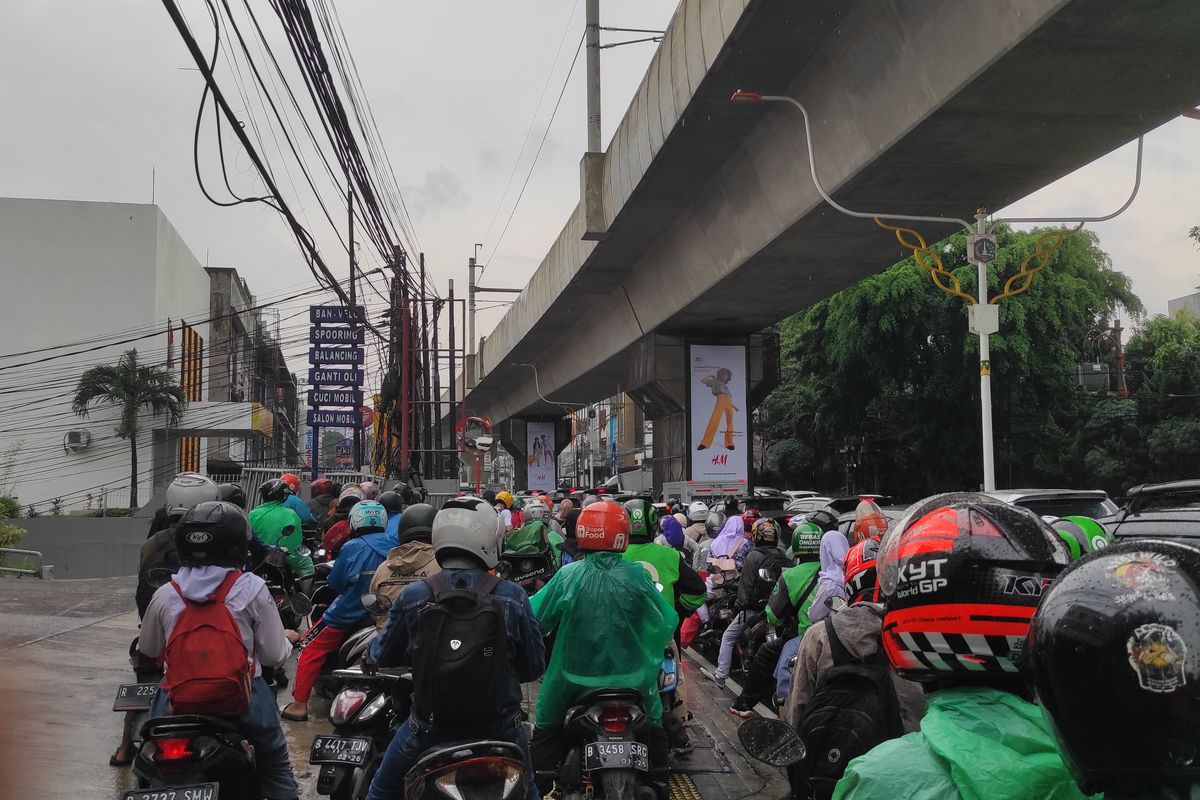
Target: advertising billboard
point(539, 448)
point(717, 387)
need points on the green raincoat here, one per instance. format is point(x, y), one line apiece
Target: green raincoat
point(529, 540)
point(612, 626)
point(277, 525)
point(975, 743)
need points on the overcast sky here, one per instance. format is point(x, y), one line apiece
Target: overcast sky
point(97, 94)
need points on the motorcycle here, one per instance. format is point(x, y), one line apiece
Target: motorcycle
point(720, 613)
point(196, 756)
point(531, 571)
point(293, 605)
point(365, 713)
point(608, 753)
point(469, 771)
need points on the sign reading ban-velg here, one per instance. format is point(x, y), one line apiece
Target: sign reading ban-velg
point(335, 376)
point(334, 397)
point(325, 418)
point(336, 335)
point(327, 354)
point(334, 314)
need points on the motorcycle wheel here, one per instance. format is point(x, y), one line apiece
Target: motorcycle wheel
point(619, 784)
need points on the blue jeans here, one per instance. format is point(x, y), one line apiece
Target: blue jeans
point(414, 738)
point(262, 727)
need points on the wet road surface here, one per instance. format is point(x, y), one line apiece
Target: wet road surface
point(64, 651)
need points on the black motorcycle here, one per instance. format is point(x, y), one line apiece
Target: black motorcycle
point(608, 749)
point(294, 607)
point(482, 770)
point(532, 571)
point(197, 757)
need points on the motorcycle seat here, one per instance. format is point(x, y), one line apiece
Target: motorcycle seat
point(184, 724)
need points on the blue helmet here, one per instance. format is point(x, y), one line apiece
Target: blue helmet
point(368, 516)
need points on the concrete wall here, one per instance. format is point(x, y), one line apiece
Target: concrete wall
point(86, 548)
point(75, 271)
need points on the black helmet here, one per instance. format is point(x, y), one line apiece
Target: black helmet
point(824, 518)
point(714, 523)
point(232, 493)
point(392, 502)
point(274, 491)
point(643, 520)
point(1114, 656)
point(213, 533)
point(416, 523)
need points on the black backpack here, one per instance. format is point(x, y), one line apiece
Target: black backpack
point(459, 655)
point(853, 709)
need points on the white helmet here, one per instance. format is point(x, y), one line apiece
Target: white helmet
point(468, 525)
point(697, 511)
point(536, 510)
point(188, 489)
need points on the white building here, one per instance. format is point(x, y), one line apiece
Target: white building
point(80, 283)
point(1189, 302)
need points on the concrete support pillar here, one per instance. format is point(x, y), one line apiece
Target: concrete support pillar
point(513, 435)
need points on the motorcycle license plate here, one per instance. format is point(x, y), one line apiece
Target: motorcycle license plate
point(616, 755)
point(350, 751)
point(134, 696)
point(199, 791)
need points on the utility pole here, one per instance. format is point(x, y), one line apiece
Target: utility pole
point(353, 322)
point(1122, 389)
point(469, 361)
point(592, 19)
point(453, 381)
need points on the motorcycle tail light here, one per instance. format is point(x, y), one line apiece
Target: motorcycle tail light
point(372, 708)
point(615, 719)
point(170, 751)
point(346, 705)
point(476, 777)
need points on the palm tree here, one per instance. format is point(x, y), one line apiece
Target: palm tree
point(133, 387)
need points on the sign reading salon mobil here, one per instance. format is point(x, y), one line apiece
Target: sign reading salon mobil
point(718, 412)
point(539, 449)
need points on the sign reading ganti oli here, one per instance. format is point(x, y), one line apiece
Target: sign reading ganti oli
point(335, 376)
point(717, 413)
point(539, 449)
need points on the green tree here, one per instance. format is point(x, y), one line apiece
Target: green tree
point(880, 385)
point(133, 387)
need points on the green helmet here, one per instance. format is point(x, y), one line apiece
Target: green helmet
point(806, 540)
point(1082, 535)
point(643, 519)
point(517, 505)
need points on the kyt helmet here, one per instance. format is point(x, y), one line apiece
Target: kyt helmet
point(468, 526)
point(869, 522)
point(232, 493)
point(213, 533)
point(1114, 656)
point(392, 502)
point(274, 491)
point(1082, 535)
point(862, 578)
point(603, 526)
point(643, 519)
point(321, 486)
point(416, 522)
point(292, 480)
point(697, 511)
point(186, 490)
point(765, 532)
point(369, 516)
point(960, 576)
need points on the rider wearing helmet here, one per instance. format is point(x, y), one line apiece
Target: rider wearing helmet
point(869, 522)
point(503, 504)
point(535, 536)
point(339, 521)
point(351, 579)
point(466, 538)
point(293, 500)
point(1082, 535)
point(1111, 654)
point(612, 624)
point(321, 498)
point(212, 540)
point(277, 525)
point(762, 568)
point(370, 489)
point(411, 559)
point(712, 528)
point(697, 513)
point(394, 505)
point(232, 493)
point(960, 576)
point(158, 558)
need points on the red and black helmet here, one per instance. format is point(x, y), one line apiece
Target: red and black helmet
point(960, 576)
point(749, 517)
point(862, 578)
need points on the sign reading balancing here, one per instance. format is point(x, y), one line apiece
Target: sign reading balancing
point(328, 354)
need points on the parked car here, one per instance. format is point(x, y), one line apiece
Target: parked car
point(806, 504)
point(799, 494)
point(767, 491)
point(1092, 503)
point(1159, 510)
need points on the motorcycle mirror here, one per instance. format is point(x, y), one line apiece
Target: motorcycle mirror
point(275, 558)
point(320, 552)
point(771, 741)
point(835, 603)
point(303, 551)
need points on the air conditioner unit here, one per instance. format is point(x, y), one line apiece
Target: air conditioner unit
point(76, 440)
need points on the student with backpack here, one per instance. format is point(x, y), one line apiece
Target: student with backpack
point(471, 640)
point(845, 697)
point(215, 628)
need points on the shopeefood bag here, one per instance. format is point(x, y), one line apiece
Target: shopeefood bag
point(459, 655)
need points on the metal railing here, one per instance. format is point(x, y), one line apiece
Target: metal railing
point(41, 570)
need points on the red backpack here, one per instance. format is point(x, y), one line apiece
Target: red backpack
point(208, 668)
